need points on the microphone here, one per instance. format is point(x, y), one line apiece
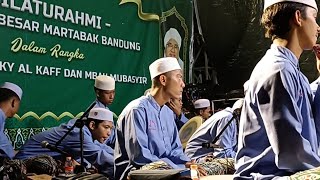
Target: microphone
point(210, 145)
point(45, 144)
point(85, 114)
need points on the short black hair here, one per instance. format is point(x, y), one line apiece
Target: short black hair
point(156, 80)
point(6, 94)
point(197, 111)
point(96, 89)
point(96, 122)
point(276, 17)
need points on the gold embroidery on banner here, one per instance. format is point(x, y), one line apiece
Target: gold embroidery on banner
point(141, 14)
point(47, 114)
point(51, 114)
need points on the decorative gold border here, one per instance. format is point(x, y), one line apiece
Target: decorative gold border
point(163, 18)
point(50, 114)
point(143, 16)
point(47, 114)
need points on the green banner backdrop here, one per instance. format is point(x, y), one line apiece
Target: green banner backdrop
point(55, 49)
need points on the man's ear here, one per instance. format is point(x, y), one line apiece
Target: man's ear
point(97, 92)
point(12, 103)
point(162, 79)
point(201, 112)
point(92, 125)
point(297, 19)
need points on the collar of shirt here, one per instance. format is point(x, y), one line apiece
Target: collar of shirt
point(100, 104)
point(153, 103)
point(317, 81)
point(283, 51)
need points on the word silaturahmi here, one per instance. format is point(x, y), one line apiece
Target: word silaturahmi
point(52, 11)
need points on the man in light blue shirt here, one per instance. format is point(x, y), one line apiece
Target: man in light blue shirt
point(10, 97)
point(146, 131)
point(97, 127)
point(277, 134)
point(202, 108)
point(104, 88)
point(208, 131)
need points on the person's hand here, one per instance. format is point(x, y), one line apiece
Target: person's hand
point(316, 50)
point(75, 163)
point(201, 171)
point(174, 108)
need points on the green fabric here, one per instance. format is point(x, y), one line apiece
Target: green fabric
point(57, 88)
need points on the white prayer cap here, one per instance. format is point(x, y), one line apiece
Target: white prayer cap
point(238, 104)
point(104, 82)
point(13, 87)
point(201, 103)
point(172, 33)
point(163, 65)
point(101, 114)
point(311, 3)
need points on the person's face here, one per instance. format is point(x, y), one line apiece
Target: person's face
point(177, 102)
point(174, 84)
point(309, 29)
point(205, 113)
point(102, 131)
point(106, 96)
point(172, 49)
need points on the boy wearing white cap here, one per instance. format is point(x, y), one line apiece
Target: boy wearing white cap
point(10, 97)
point(97, 127)
point(208, 131)
point(277, 135)
point(202, 108)
point(172, 45)
point(104, 87)
point(146, 131)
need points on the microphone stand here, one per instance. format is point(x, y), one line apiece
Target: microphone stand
point(79, 124)
point(235, 114)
